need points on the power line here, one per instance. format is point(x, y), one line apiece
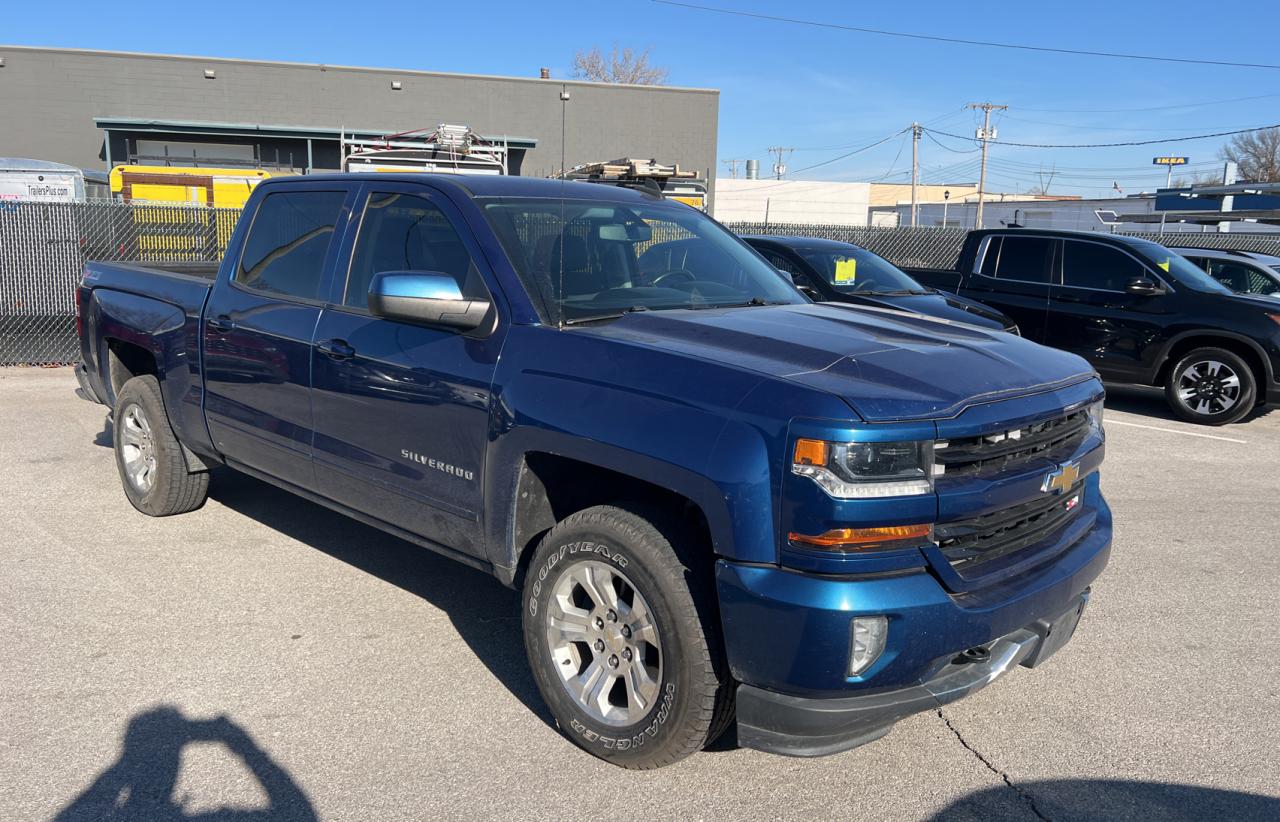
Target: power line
point(1097, 128)
point(1116, 145)
point(961, 41)
point(1148, 108)
point(945, 147)
point(851, 153)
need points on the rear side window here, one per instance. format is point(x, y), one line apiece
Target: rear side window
point(1240, 277)
point(1018, 258)
point(404, 232)
point(1092, 265)
point(284, 253)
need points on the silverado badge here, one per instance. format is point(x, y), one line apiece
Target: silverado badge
point(1061, 479)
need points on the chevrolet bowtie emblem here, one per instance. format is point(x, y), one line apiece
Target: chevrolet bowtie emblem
point(1061, 479)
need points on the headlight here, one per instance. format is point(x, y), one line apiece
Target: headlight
point(860, 470)
point(1095, 412)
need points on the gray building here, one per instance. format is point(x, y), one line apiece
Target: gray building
point(94, 108)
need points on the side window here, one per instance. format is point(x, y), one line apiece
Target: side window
point(287, 243)
point(1023, 258)
point(990, 257)
point(798, 277)
point(1093, 265)
point(405, 232)
point(781, 263)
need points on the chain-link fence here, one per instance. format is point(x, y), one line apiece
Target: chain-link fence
point(43, 249)
point(903, 246)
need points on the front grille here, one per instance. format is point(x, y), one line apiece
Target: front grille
point(971, 542)
point(1003, 450)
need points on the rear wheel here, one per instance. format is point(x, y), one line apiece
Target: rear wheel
point(152, 470)
point(620, 632)
point(1211, 386)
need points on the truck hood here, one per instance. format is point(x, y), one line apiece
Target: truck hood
point(885, 365)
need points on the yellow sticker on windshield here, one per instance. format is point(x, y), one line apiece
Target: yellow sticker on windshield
point(846, 269)
point(1164, 265)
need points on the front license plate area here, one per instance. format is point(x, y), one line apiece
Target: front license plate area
point(1056, 632)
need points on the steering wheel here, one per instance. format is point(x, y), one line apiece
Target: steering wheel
point(687, 276)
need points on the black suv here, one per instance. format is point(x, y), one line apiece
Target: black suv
point(1138, 312)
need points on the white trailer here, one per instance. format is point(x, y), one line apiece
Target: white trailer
point(40, 181)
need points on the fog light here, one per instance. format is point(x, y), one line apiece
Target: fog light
point(867, 643)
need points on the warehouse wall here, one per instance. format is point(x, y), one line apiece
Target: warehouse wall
point(792, 201)
point(49, 98)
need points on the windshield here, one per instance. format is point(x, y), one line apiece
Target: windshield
point(587, 260)
point(1182, 270)
point(858, 271)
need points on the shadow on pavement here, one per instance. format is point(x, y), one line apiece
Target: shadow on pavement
point(485, 613)
point(1063, 800)
point(139, 786)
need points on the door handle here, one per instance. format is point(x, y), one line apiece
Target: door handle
point(220, 324)
point(1067, 298)
point(336, 349)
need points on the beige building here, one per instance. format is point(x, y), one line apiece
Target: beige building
point(818, 202)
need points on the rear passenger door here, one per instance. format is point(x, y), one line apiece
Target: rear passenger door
point(1092, 315)
point(258, 331)
point(1013, 276)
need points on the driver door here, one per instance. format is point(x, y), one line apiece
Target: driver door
point(402, 409)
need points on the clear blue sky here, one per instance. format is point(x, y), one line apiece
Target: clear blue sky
point(784, 84)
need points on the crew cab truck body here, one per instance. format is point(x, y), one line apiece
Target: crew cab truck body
point(713, 493)
point(1135, 310)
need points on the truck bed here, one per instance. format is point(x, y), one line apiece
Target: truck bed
point(179, 283)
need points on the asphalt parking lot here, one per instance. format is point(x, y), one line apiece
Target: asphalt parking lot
point(264, 658)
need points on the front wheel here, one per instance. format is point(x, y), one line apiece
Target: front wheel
point(1211, 386)
point(621, 637)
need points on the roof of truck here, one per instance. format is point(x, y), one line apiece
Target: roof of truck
point(484, 185)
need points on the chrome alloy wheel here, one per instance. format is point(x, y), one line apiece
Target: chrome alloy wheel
point(1209, 387)
point(604, 643)
point(137, 448)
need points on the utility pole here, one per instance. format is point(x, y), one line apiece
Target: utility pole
point(985, 135)
point(779, 167)
point(916, 130)
point(733, 167)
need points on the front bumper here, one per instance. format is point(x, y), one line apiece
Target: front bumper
point(800, 726)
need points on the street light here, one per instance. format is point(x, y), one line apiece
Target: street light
point(946, 195)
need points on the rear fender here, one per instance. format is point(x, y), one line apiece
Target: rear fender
point(169, 336)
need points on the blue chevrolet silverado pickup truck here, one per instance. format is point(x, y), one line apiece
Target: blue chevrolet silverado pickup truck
point(721, 502)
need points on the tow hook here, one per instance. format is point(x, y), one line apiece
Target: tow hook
point(978, 654)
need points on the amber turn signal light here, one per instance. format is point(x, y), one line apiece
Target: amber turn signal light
point(862, 539)
point(810, 452)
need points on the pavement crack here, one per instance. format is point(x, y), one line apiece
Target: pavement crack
point(1023, 795)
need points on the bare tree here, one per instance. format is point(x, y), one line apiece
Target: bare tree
point(1257, 153)
point(619, 66)
point(1203, 178)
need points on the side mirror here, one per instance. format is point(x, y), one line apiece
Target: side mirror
point(425, 297)
point(1143, 287)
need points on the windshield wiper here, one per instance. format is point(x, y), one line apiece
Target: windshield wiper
point(601, 317)
point(754, 301)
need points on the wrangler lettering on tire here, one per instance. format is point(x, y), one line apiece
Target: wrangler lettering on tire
point(620, 632)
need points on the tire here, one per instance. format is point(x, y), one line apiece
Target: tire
point(664, 689)
point(148, 456)
point(1211, 386)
